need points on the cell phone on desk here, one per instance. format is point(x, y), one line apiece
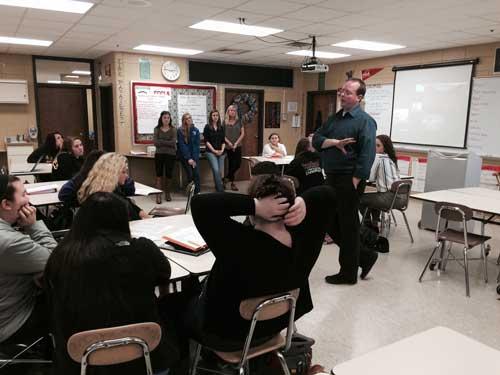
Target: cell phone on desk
point(183, 250)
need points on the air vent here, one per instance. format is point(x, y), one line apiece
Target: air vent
point(299, 44)
point(231, 51)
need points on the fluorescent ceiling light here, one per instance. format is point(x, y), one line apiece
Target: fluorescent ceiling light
point(320, 54)
point(24, 41)
point(168, 50)
point(81, 72)
point(234, 28)
point(367, 45)
point(64, 82)
point(70, 76)
point(56, 5)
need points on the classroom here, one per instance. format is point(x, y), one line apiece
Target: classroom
point(249, 187)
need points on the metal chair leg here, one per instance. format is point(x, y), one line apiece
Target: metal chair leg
point(196, 359)
point(498, 260)
point(283, 364)
point(466, 267)
point(407, 226)
point(485, 262)
point(394, 218)
point(438, 245)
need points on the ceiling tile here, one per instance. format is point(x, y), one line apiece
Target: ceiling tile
point(270, 8)
point(318, 29)
point(315, 14)
point(251, 18)
point(357, 5)
point(120, 13)
point(37, 14)
point(11, 11)
point(220, 3)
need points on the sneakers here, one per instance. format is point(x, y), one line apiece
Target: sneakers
point(234, 187)
point(382, 245)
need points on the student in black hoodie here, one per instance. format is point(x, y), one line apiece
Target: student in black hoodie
point(49, 150)
point(69, 161)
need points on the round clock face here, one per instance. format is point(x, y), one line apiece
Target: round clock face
point(170, 70)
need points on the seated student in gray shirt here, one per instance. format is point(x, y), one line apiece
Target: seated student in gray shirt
point(23, 255)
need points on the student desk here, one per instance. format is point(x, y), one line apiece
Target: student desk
point(155, 228)
point(47, 199)
point(283, 162)
point(438, 351)
point(177, 272)
point(24, 169)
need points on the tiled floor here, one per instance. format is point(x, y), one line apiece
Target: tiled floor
point(348, 321)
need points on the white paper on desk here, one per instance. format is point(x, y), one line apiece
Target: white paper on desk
point(142, 191)
point(150, 229)
point(138, 153)
point(44, 189)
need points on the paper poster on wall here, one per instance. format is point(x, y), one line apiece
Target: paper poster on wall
point(196, 106)
point(378, 104)
point(150, 102)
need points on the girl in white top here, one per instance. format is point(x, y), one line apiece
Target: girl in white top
point(274, 149)
point(384, 172)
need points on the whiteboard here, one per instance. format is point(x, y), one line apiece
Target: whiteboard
point(484, 119)
point(431, 106)
point(378, 104)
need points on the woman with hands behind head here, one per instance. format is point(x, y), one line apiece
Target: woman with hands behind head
point(275, 255)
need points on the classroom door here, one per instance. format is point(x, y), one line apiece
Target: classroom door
point(320, 106)
point(252, 143)
point(63, 109)
point(107, 118)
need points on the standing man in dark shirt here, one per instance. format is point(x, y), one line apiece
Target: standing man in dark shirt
point(347, 145)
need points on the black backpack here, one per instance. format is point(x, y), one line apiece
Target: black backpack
point(298, 358)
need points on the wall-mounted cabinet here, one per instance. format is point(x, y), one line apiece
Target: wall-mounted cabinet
point(14, 91)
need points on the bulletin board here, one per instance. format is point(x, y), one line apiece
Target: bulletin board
point(150, 99)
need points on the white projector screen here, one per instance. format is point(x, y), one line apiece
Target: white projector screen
point(431, 106)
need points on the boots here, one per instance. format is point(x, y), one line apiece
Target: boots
point(168, 198)
point(158, 186)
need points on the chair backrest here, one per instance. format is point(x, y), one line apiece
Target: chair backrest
point(401, 190)
point(114, 345)
point(189, 197)
point(453, 211)
point(272, 306)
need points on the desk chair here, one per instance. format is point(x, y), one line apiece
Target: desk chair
point(23, 354)
point(111, 346)
point(401, 189)
point(457, 213)
point(255, 310)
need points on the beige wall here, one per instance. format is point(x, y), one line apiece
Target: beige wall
point(17, 118)
point(125, 68)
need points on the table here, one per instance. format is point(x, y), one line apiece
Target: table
point(155, 228)
point(284, 161)
point(481, 200)
point(177, 272)
point(48, 199)
point(438, 351)
point(24, 169)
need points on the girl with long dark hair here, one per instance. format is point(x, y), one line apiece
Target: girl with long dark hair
point(48, 151)
point(214, 134)
point(165, 141)
point(70, 160)
point(384, 172)
point(99, 277)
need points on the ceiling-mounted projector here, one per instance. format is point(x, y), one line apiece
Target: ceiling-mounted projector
point(312, 64)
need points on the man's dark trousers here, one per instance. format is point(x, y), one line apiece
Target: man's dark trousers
point(348, 206)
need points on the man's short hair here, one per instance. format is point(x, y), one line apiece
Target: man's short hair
point(7, 188)
point(362, 86)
